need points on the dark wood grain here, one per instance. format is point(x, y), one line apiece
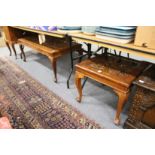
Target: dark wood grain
point(142, 110)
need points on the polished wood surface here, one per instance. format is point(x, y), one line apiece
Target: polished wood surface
point(10, 39)
point(142, 111)
point(143, 52)
point(52, 48)
point(10, 36)
point(115, 72)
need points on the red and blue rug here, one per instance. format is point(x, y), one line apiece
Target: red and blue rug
point(30, 105)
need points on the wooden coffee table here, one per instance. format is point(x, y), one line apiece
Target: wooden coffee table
point(113, 71)
point(54, 48)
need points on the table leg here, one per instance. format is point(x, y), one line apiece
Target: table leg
point(22, 52)
point(7, 44)
point(13, 47)
point(69, 77)
point(54, 66)
point(78, 77)
point(122, 98)
point(89, 50)
point(69, 39)
point(80, 54)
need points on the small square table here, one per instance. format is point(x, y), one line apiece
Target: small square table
point(114, 71)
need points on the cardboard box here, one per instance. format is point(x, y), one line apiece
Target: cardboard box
point(145, 37)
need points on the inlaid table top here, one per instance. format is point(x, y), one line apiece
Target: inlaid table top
point(113, 71)
point(116, 69)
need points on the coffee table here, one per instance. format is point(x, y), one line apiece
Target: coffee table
point(113, 71)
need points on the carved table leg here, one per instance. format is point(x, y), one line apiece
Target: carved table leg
point(7, 44)
point(54, 66)
point(22, 52)
point(122, 98)
point(13, 47)
point(78, 77)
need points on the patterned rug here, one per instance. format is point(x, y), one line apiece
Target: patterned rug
point(28, 104)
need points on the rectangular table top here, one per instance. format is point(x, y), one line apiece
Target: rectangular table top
point(127, 48)
point(113, 68)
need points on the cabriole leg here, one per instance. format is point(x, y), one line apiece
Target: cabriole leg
point(13, 47)
point(78, 77)
point(7, 44)
point(122, 98)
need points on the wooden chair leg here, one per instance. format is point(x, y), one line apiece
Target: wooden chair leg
point(122, 98)
point(22, 54)
point(13, 47)
point(78, 77)
point(7, 44)
point(54, 66)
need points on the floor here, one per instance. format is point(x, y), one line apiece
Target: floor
point(99, 101)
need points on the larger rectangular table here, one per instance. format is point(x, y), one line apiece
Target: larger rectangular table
point(130, 48)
